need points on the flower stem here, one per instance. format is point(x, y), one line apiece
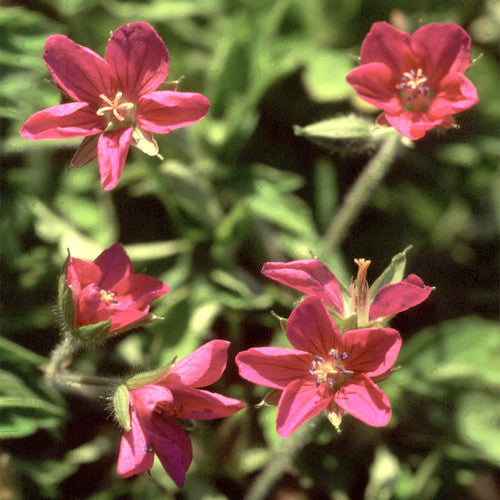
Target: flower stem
point(360, 192)
point(60, 356)
point(281, 460)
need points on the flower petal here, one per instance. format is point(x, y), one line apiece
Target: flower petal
point(374, 83)
point(413, 124)
point(75, 119)
point(200, 368)
point(112, 151)
point(173, 447)
point(135, 454)
point(455, 93)
point(81, 273)
point(308, 276)
point(138, 59)
point(165, 110)
point(442, 49)
point(203, 405)
point(79, 71)
point(114, 264)
point(371, 350)
point(310, 328)
point(360, 397)
point(273, 366)
point(126, 319)
point(386, 44)
point(397, 297)
point(138, 290)
point(300, 401)
point(146, 399)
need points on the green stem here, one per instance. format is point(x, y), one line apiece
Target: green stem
point(59, 356)
point(360, 192)
point(281, 460)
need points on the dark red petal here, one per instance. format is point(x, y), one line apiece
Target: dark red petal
point(203, 405)
point(371, 351)
point(173, 448)
point(442, 49)
point(386, 44)
point(360, 397)
point(112, 151)
point(374, 83)
point(310, 328)
point(138, 290)
point(308, 276)
point(138, 59)
point(164, 111)
point(200, 368)
point(300, 401)
point(125, 319)
point(411, 124)
point(455, 93)
point(397, 297)
point(79, 71)
point(75, 119)
point(114, 264)
point(86, 152)
point(91, 309)
point(273, 366)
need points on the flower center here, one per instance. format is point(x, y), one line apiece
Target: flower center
point(118, 112)
point(107, 296)
point(330, 371)
point(414, 91)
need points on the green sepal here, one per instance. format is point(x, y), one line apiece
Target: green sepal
point(172, 85)
point(95, 333)
point(281, 320)
point(392, 274)
point(65, 300)
point(146, 378)
point(147, 145)
point(121, 406)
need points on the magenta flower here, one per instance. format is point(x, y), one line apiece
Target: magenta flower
point(174, 394)
point(107, 290)
point(313, 278)
point(326, 371)
point(115, 101)
point(417, 80)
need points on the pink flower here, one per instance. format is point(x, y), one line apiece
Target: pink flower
point(107, 290)
point(313, 278)
point(115, 101)
point(417, 80)
point(326, 371)
point(174, 394)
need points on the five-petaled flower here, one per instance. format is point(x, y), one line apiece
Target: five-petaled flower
point(417, 80)
point(367, 308)
point(326, 371)
point(114, 101)
point(106, 293)
point(170, 394)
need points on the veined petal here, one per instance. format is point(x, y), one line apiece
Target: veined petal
point(79, 71)
point(135, 453)
point(310, 328)
point(311, 277)
point(114, 264)
point(200, 368)
point(300, 401)
point(412, 124)
point(173, 447)
point(203, 405)
point(455, 93)
point(112, 151)
point(138, 59)
point(386, 44)
point(374, 83)
point(397, 297)
point(442, 49)
point(360, 397)
point(74, 119)
point(273, 366)
point(165, 110)
point(371, 351)
point(138, 290)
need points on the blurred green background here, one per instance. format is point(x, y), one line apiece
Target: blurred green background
point(236, 190)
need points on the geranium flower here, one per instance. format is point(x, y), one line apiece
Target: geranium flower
point(115, 101)
point(418, 80)
point(170, 394)
point(106, 293)
point(326, 371)
point(313, 278)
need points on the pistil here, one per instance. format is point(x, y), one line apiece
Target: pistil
point(120, 111)
point(414, 90)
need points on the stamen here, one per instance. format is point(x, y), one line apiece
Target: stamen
point(414, 90)
point(115, 107)
point(107, 296)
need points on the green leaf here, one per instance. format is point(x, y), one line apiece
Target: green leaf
point(19, 355)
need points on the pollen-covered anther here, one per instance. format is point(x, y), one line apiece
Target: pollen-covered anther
point(330, 371)
point(413, 84)
point(107, 296)
point(120, 110)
